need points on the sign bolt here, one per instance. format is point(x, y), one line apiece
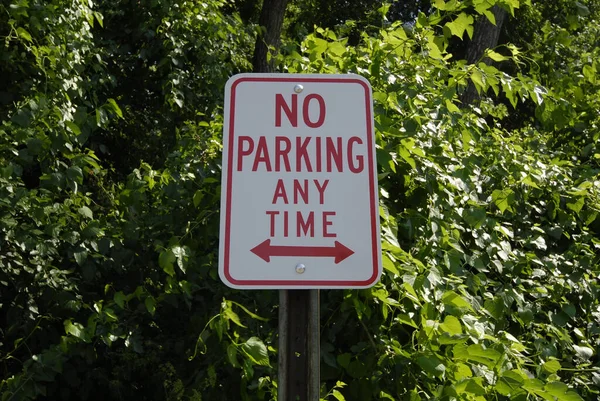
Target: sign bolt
point(298, 88)
point(300, 268)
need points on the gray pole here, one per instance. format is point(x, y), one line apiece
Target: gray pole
point(299, 349)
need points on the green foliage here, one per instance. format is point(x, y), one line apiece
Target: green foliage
point(490, 233)
point(110, 127)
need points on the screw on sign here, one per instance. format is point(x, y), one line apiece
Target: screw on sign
point(299, 206)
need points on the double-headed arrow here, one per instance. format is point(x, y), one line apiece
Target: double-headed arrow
point(265, 250)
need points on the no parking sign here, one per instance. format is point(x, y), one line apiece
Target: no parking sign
point(299, 204)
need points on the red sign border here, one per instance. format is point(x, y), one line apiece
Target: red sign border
point(274, 284)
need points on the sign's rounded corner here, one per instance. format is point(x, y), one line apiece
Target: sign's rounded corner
point(235, 80)
point(371, 281)
point(363, 80)
point(228, 280)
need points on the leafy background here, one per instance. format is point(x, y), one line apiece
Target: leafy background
point(110, 142)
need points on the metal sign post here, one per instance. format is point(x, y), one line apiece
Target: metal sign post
point(299, 347)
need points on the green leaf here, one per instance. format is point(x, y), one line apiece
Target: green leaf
point(527, 180)
point(198, 195)
point(462, 371)
point(432, 365)
point(257, 351)
point(451, 325)
point(406, 319)
point(495, 56)
point(231, 315)
point(388, 264)
point(475, 216)
point(86, 212)
point(101, 117)
point(166, 259)
point(503, 199)
point(115, 107)
point(120, 299)
point(248, 312)
point(80, 256)
point(453, 299)
point(583, 352)
point(182, 254)
point(472, 386)
point(451, 5)
point(487, 356)
point(538, 94)
point(150, 303)
point(22, 33)
point(461, 24)
point(344, 360)
point(232, 356)
point(338, 396)
point(582, 9)
point(99, 18)
point(589, 72)
point(73, 127)
point(76, 330)
point(75, 174)
point(405, 154)
point(551, 366)
point(490, 16)
point(478, 80)
point(451, 106)
point(510, 383)
point(576, 204)
point(561, 392)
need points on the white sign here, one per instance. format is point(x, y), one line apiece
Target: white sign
point(299, 205)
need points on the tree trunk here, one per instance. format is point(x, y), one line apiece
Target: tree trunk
point(270, 21)
point(485, 36)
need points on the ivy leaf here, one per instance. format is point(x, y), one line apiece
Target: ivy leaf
point(231, 315)
point(490, 16)
point(405, 154)
point(451, 325)
point(461, 24)
point(540, 243)
point(495, 55)
point(388, 264)
point(80, 256)
point(86, 212)
point(182, 254)
point(583, 352)
point(120, 299)
point(432, 365)
point(503, 199)
point(576, 204)
point(453, 299)
point(510, 383)
point(452, 108)
point(344, 360)
point(257, 351)
point(150, 304)
point(475, 216)
point(551, 366)
point(232, 356)
point(115, 107)
point(22, 33)
point(73, 127)
point(197, 198)
point(76, 330)
point(582, 9)
point(166, 259)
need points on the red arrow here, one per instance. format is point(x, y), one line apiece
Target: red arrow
point(265, 250)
